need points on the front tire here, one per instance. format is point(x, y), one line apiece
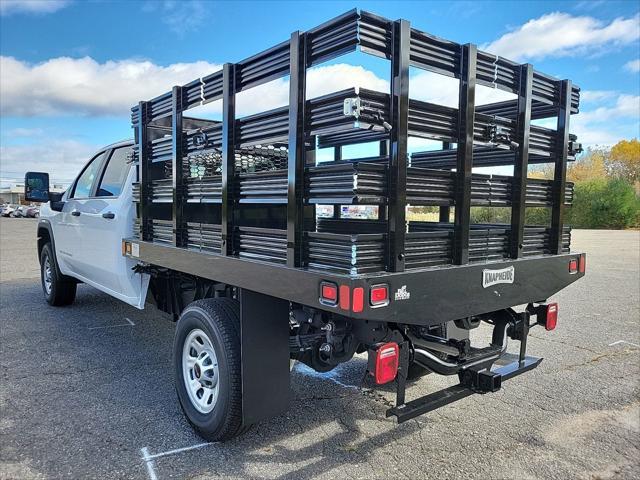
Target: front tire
point(207, 367)
point(58, 289)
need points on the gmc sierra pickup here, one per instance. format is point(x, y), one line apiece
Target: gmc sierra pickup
point(224, 225)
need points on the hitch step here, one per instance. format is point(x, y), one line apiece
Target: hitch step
point(487, 381)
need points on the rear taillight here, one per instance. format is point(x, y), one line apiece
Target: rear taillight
point(345, 295)
point(384, 364)
point(548, 316)
point(358, 300)
point(379, 295)
point(573, 266)
point(582, 263)
point(328, 293)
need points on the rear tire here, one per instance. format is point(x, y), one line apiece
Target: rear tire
point(207, 367)
point(59, 290)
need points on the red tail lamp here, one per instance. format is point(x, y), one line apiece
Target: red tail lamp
point(573, 266)
point(383, 362)
point(345, 297)
point(358, 300)
point(548, 316)
point(379, 295)
point(328, 293)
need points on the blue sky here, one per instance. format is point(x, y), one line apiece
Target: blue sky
point(71, 69)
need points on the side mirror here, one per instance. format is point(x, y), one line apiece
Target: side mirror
point(36, 187)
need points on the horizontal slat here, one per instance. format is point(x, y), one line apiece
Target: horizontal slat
point(375, 35)
point(333, 38)
point(263, 67)
point(264, 244)
point(434, 54)
point(347, 183)
point(343, 253)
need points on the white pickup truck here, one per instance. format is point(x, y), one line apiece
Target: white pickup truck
point(219, 223)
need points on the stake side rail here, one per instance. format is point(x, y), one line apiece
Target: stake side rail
point(249, 187)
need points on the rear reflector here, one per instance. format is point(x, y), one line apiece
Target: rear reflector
point(379, 295)
point(583, 263)
point(385, 366)
point(328, 293)
point(358, 299)
point(573, 266)
point(345, 300)
point(551, 316)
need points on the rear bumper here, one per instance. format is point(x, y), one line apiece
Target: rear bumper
point(439, 295)
point(422, 296)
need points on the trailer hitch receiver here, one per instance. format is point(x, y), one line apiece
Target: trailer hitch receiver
point(481, 381)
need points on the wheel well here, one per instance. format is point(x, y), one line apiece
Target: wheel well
point(43, 238)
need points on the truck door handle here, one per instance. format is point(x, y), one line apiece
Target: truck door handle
point(75, 213)
point(109, 215)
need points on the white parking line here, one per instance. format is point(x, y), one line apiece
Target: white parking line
point(149, 458)
point(624, 341)
point(128, 324)
point(151, 470)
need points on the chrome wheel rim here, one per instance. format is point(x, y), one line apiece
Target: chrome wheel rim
point(200, 371)
point(46, 275)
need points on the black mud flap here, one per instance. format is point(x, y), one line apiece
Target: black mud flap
point(264, 340)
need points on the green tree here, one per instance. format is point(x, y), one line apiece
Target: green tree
point(604, 203)
point(624, 160)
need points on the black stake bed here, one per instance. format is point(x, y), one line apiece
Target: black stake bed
point(240, 197)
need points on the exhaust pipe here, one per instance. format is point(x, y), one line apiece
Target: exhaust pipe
point(428, 360)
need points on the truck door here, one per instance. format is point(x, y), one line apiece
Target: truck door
point(68, 232)
point(106, 218)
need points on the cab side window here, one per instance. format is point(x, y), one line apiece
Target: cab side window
point(86, 180)
point(115, 174)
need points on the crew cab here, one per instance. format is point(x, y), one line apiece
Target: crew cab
point(223, 224)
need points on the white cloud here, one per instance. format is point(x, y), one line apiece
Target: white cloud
point(83, 86)
point(625, 107)
point(23, 133)
point(560, 34)
point(442, 90)
point(595, 96)
point(610, 123)
point(8, 7)
point(632, 66)
point(63, 159)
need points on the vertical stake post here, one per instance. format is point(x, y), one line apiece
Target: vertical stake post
point(297, 148)
point(177, 167)
point(143, 162)
point(228, 156)
point(337, 156)
point(445, 212)
point(464, 164)
point(397, 225)
point(560, 170)
point(521, 165)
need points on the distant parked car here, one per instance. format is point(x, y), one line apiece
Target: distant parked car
point(20, 212)
point(9, 210)
point(33, 212)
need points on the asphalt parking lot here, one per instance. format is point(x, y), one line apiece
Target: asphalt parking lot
point(86, 392)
